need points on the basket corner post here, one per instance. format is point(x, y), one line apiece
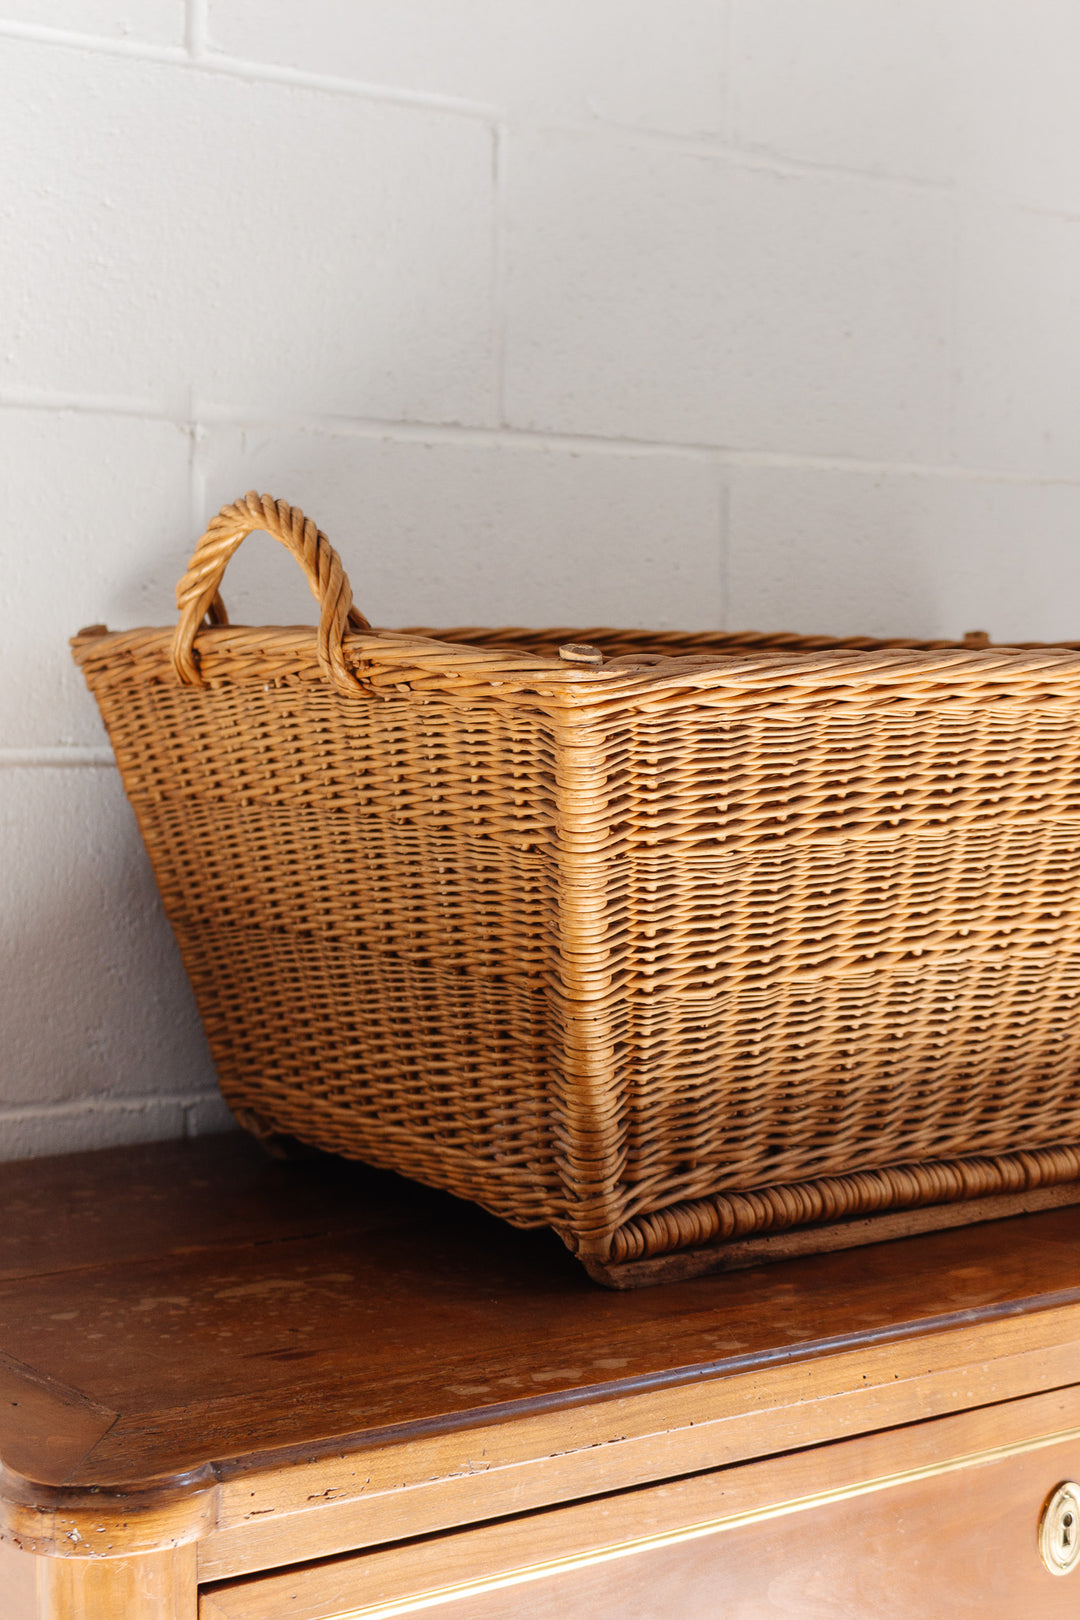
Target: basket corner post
point(591, 1135)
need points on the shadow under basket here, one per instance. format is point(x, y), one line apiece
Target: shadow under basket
point(700, 949)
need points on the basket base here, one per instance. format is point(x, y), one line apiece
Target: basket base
point(738, 1253)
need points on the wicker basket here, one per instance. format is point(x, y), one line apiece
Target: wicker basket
point(691, 950)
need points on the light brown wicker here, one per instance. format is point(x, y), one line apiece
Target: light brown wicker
point(723, 936)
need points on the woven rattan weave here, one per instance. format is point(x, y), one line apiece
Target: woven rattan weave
point(722, 935)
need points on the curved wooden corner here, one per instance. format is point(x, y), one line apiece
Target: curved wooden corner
point(102, 1522)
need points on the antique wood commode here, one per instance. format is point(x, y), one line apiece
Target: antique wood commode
point(240, 1390)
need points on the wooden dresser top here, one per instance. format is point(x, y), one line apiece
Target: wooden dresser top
point(172, 1306)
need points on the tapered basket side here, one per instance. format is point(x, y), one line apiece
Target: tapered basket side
point(365, 896)
point(834, 966)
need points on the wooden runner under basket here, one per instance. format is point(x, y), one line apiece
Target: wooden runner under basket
point(718, 949)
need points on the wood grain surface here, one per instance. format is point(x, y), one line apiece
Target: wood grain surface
point(352, 1359)
point(912, 1524)
point(150, 1586)
point(153, 1586)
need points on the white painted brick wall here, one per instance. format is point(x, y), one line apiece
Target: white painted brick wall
point(686, 295)
point(704, 312)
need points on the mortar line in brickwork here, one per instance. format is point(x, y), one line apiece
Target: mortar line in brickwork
point(208, 418)
point(66, 403)
point(723, 500)
point(20, 1113)
point(952, 345)
point(953, 472)
point(500, 226)
point(726, 85)
point(746, 157)
point(41, 34)
point(196, 476)
point(108, 1105)
point(299, 78)
point(765, 162)
point(541, 440)
point(734, 152)
point(57, 758)
point(195, 28)
point(760, 161)
point(253, 72)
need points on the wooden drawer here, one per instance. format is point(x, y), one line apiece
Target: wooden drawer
point(932, 1519)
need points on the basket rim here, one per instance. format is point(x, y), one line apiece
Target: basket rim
point(755, 663)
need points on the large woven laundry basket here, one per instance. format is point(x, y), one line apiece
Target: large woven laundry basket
point(695, 948)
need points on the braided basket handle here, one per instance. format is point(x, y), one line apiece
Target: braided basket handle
point(198, 598)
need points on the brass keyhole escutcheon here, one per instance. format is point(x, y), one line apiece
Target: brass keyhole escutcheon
point(1059, 1530)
